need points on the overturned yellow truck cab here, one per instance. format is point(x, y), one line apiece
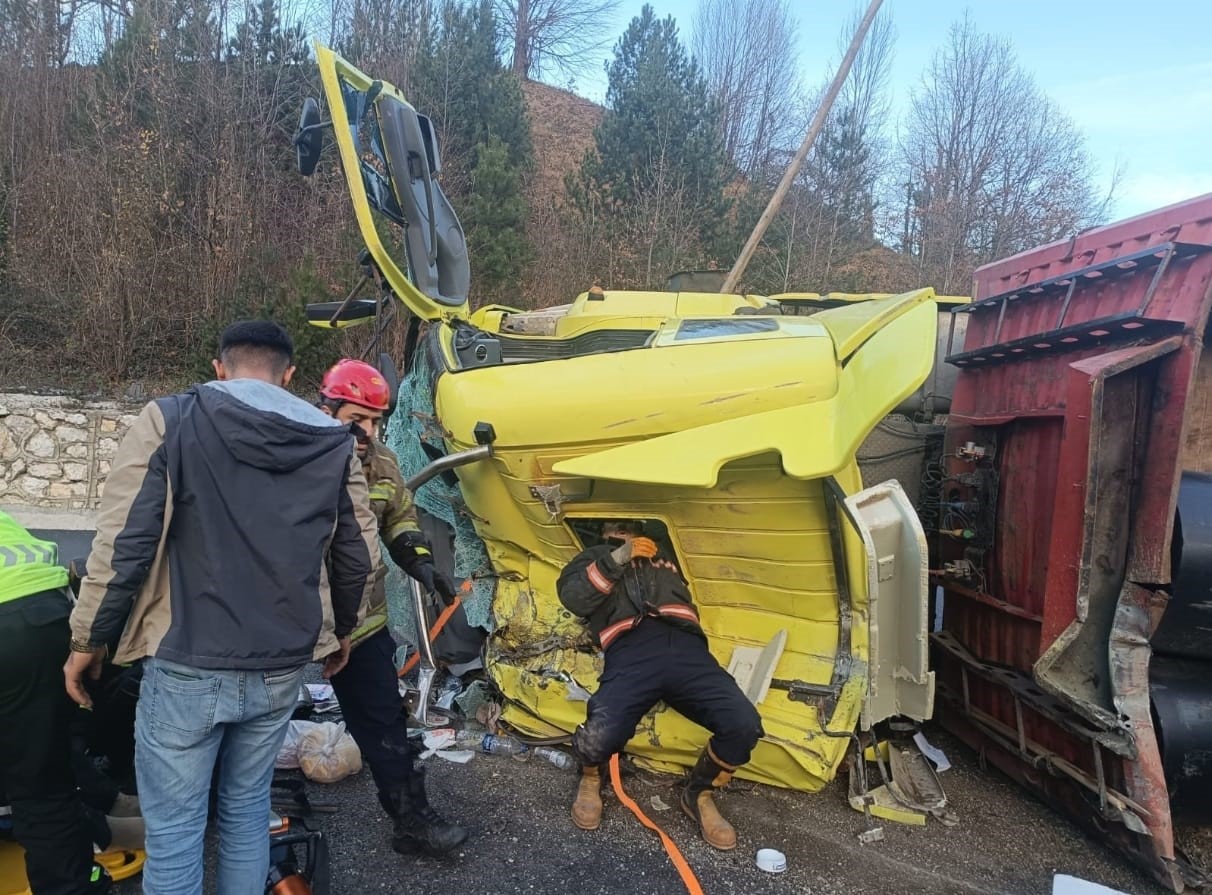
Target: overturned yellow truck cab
point(729, 427)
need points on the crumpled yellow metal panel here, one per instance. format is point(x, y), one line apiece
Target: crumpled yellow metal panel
point(536, 639)
point(867, 391)
point(751, 526)
point(574, 404)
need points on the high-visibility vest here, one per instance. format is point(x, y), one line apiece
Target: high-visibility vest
point(27, 565)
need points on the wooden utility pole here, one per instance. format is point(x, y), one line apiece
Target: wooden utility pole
point(818, 122)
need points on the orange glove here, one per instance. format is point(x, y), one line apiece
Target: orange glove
point(643, 548)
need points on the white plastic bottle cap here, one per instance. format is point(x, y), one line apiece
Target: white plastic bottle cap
point(771, 860)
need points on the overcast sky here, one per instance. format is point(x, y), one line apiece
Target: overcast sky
point(1136, 78)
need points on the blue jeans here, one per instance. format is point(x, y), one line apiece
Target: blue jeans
point(189, 718)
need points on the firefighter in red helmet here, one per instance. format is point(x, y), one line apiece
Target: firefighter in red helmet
point(354, 392)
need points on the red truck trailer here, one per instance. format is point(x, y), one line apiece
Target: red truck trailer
point(1074, 552)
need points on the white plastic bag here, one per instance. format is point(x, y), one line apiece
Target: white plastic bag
point(288, 755)
point(327, 753)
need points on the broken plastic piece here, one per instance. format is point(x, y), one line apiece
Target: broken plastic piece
point(323, 699)
point(880, 802)
point(914, 783)
point(753, 668)
point(436, 740)
point(771, 860)
point(320, 692)
point(1071, 885)
point(935, 754)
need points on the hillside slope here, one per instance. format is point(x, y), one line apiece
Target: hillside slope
point(561, 127)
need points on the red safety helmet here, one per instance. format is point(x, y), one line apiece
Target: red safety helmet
point(357, 382)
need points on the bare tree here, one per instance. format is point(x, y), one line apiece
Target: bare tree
point(544, 37)
point(851, 156)
point(865, 93)
point(831, 212)
point(993, 166)
point(385, 36)
point(748, 57)
point(159, 178)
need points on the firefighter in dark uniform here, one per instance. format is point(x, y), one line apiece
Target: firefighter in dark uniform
point(36, 717)
point(638, 606)
point(367, 688)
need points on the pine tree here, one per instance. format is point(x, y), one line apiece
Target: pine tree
point(495, 218)
point(659, 169)
point(843, 178)
point(464, 87)
point(262, 39)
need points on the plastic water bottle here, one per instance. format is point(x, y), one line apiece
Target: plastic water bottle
point(561, 760)
point(470, 739)
point(502, 744)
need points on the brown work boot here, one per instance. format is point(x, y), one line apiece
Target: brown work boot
point(587, 807)
point(709, 773)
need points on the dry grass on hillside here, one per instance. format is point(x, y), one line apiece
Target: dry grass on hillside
point(561, 126)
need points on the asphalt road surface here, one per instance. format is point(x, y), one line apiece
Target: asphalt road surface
point(1006, 842)
point(523, 842)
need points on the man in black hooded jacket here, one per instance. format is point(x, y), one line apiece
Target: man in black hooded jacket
point(234, 542)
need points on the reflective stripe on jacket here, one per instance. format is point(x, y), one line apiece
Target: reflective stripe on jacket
point(28, 565)
point(613, 599)
point(396, 514)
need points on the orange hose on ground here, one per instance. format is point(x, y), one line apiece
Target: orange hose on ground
point(689, 880)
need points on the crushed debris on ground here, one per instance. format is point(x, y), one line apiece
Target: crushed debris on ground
point(523, 842)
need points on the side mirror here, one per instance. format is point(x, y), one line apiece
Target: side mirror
point(309, 138)
point(340, 314)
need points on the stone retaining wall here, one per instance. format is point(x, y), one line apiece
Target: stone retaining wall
point(55, 451)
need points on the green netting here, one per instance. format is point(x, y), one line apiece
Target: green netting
point(412, 423)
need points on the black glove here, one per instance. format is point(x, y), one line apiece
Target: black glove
point(432, 579)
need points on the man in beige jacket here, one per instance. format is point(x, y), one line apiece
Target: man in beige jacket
point(235, 532)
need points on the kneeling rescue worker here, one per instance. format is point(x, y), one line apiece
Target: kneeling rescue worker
point(367, 688)
point(640, 609)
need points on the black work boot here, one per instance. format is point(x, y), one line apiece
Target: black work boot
point(418, 828)
point(708, 774)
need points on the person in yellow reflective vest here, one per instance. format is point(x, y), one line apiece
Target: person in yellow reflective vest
point(35, 717)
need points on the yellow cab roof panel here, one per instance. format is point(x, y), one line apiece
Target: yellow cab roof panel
point(669, 386)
